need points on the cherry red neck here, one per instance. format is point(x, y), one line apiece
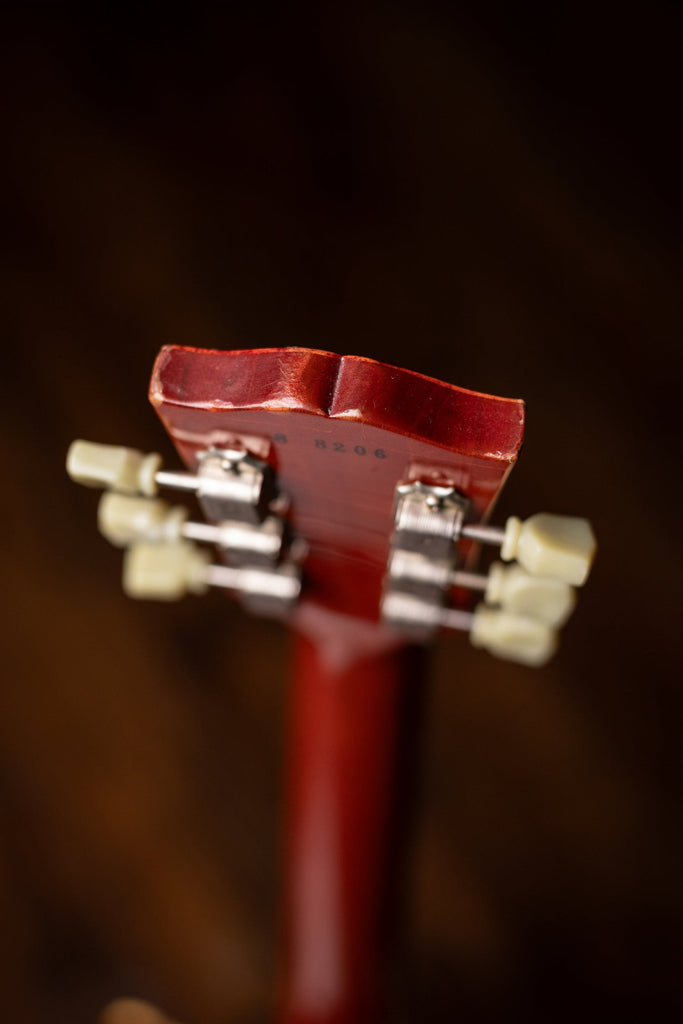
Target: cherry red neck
point(345, 709)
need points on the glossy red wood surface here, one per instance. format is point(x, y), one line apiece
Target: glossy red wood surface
point(340, 432)
point(343, 749)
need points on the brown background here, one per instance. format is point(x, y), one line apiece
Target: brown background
point(493, 202)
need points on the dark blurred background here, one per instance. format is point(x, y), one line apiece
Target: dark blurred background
point(491, 197)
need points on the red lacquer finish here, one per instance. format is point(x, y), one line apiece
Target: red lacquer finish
point(344, 727)
point(341, 432)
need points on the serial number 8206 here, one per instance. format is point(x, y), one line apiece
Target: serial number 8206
point(337, 446)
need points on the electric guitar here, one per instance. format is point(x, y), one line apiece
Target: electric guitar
point(351, 499)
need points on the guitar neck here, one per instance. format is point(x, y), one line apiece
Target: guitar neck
point(347, 696)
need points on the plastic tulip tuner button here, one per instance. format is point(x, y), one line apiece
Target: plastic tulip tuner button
point(537, 597)
point(165, 571)
point(123, 519)
point(113, 467)
point(513, 637)
point(562, 547)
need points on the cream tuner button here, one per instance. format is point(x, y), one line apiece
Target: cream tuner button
point(512, 637)
point(112, 467)
point(562, 547)
point(536, 597)
point(165, 571)
point(124, 519)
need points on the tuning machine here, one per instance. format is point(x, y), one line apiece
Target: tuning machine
point(126, 519)
point(524, 604)
point(233, 488)
point(229, 482)
point(168, 570)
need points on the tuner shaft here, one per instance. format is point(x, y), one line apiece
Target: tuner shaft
point(176, 480)
point(484, 534)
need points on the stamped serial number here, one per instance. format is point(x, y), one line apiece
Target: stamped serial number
point(337, 446)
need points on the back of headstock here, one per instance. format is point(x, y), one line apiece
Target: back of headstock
point(369, 480)
point(339, 434)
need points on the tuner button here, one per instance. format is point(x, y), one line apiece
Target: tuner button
point(536, 597)
point(562, 547)
point(112, 467)
point(512, 637)
point(124, 519)
point(164, 571)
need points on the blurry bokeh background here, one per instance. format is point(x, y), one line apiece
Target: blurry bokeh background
point(494, 201)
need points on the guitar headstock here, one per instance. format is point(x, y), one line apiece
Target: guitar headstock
point(342, 485)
